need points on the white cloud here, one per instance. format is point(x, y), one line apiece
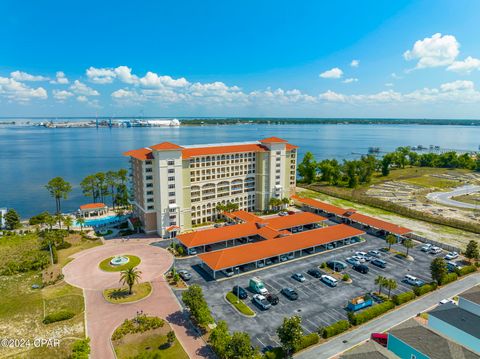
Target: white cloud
point(389, 84)
point(23, 76)
point(434, 51)
point(124, 74)
point(331, 96)
point(334, 73)
point(466, 66)
point(355, 63)
point(350, 80)
point(100, 76)
point(80, 88)
point(60, 79)
point(62, 95)
point(458, 85)
point(17, 91)
point(151, 79)
point(82, 98)
point(395, 76)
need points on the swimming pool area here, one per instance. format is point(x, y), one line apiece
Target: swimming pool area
point(104, 221)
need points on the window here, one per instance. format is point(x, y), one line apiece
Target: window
point(150, 200)
point(171, 178)
point(277, 177)
point(171, 170)
point(170, 162)
point(148, 169)
point(172, 210)
point(149, 178)
point(171, 194)
point(171, 201)
point(171, 186)
point(149, 193)
point(278, 153)
point(149, 185)
point(148, 162)
point(150, 207)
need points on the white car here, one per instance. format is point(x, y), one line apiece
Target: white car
point(451, 255)
point(426, 247)
point(360, 259)
point(282, 214)
point(360, 254)
point(435, 250)
point(261, 301)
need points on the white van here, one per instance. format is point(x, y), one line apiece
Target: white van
point(410, 279)
point(332, 282)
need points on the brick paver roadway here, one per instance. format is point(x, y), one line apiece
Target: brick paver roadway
point(103, 317)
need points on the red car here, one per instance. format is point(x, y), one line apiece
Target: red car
point(291, 212)
point(380, 338)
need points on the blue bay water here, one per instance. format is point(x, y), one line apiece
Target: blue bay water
point(31, 156)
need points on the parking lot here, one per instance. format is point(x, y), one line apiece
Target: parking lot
point(318, 304)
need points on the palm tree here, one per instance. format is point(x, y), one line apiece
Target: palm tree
point(68, 221)
point(391, 284)
point(391, 239)
point(58, 188)
point(285, 201)
point(81, 222)
point(50, 220)
point(380, 281)
point(129, 277)
point(408, 243)
point(59, 218)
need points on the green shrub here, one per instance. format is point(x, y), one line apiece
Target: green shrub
point(64, 245)
point(307, 340)
point(54, 254)
point(323, 265)
point(371, 312)
point(180, 250)
point(346, 277)
point(81, 349)
point(335, 328)
point(58, 316)
point(426, 288)
point(403, 298)
point(139, 324)
point(275, 353)
point(448, 278)
point(466, 270)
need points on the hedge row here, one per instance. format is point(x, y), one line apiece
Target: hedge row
point(335, 328)
point(466, 270)
point(403, 297)
point(448, 278)
point(371, 312)
point(308, 340)
point(359, 197)
point(424, 289)
point(58, 316)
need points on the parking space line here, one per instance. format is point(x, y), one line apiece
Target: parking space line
point(312, 323)
point(329, 315)
point(305, 329)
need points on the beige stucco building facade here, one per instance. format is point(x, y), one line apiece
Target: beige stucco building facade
point(176, 187)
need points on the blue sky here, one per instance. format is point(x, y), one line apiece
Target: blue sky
point(249, 58)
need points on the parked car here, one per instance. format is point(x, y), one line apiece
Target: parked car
point(185, 275)
point(240, 292)
point(217, 225)
point(290, 293)
point(261, 301)
point(272, 299)
point(445, 301)
point(451, 255)
point(452, 266)
point(291, 212)
point(299, 277)
point(332, 282)
point(361, 254)
point(283, 258)
point(410, 279)
point(314, 273)
point(268, 262)
point(192, 251)
point(330, 246)
point(361, 268)
point(208, 248)
point(291, 256)
point(435, 250)
point(426, 247)
point(379, 263)
point(283, 213)
point(375, 254)
point(260, 264)
point(352, 261)
point(310, 250)
point(228, 272)
point(337, 266)
point(360, 259)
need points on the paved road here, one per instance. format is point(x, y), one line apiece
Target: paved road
point(344, 342)
point(103, 317)
point(446, 197)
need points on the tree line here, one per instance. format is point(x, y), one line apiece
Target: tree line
point(103, 185)
point(352, 173)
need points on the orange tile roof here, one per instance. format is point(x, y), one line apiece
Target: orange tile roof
point(214, 235)
point(293, 220)
point(92, 206)
point(354, 216)
point(290, 147)
point(379, 224)
point(242, 215)
point(165, 146)
point(320, 205)
point(273, 140)
point(248, 253)
point(140, 154)
point(218, 150)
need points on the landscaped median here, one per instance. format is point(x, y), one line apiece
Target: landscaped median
point(122, 295)
point(133, 261)
point(239, 305)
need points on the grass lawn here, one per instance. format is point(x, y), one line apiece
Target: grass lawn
point(152, 341)
point(412, 173)
point(432, 182)
point(107, 267)
point(121, 295)
point(22, 308)
point(473, 198)
point(239, 304)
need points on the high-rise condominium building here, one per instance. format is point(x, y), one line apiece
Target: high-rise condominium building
point(176, 187)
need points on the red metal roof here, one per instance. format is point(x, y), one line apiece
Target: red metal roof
point(248, 253)
point(92, 206)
